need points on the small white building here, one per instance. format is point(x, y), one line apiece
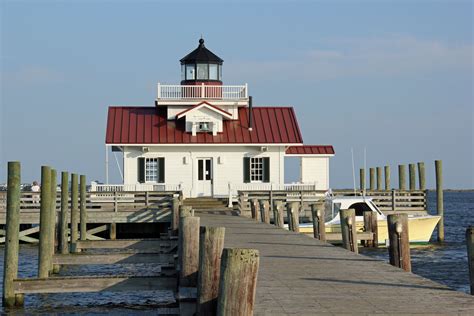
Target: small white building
point(207, 139)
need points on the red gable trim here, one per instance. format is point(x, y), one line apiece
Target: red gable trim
point(149, 125)
point(310, 150)
point(208, 105)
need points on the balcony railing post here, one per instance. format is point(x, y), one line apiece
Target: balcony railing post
point(202, 90)
point(246, 90)
point(159, 90)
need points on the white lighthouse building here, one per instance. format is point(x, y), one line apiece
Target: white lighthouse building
point(208, 139)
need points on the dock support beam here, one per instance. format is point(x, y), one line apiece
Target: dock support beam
point(319, 228)
point(63, 222)
point(53, 222)
point(421, 175)
point(175, 216)
point(188, 251)
point(412, 175)
point(10, 271)
point(348, 230)
point(379, 178)
point(439, 198)
point(44, 258)
point(239, 269)
point(82, 205)
point(371, 179)
point(401, 177)
point(399, 248)
point(387, 178)
point(74, 211)
point(362, 179)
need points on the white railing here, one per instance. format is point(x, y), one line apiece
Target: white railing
point(193, 92)
point(273, 187)
point(134, 187)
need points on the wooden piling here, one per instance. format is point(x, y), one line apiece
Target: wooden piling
point(368, 227)
point(387, 178)
point(238, 282)
point(255, 208)
point(211, 245)
point(63, 222)
point(362, 179)
point(379, 178)
point(293, 216)
point(421, 176)
point(319, 227)
point(265, 211)
point(82, 206)
point(371, 179)
point(74, 211)
point(10, 268)
point(188, 248)
point(175, 216)
point(439, 198)
point(470, 255)
point(45, 256)
point(399, 247)
point(401, 177)
point(280, 219)
point(348, 230)
point(113, 231)
point(53, 216)
point(412, 176)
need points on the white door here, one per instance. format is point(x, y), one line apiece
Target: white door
point(204, 177)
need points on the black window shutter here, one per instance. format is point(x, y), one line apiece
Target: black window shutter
point(141, 170)
point(246, 169)
point(266, 169)
point(161, 170)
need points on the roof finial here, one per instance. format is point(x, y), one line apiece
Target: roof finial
point(201, 41)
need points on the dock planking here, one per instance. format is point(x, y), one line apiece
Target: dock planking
point(301, 275)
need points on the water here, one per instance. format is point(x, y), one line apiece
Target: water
point(446, 264)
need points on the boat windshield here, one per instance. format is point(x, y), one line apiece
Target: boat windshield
point(375, 207)
point(331, 209)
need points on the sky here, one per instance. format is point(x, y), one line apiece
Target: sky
point(392, 77)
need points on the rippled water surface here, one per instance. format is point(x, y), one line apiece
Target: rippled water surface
point(445, 263)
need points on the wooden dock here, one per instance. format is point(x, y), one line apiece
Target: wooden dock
point(300, 275)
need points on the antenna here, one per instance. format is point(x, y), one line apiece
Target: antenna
point(353, 172)
point(365, 169)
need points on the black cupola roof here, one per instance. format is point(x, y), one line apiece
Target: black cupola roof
point(201, 55)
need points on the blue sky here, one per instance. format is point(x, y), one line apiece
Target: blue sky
point(395, 77)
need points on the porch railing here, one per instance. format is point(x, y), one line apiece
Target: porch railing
point(193, 92)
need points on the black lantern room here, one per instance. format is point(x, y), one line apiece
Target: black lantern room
point(201, 66)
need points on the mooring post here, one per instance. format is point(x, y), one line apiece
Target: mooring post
point(362, 179)
point(379, 178)
point(470, 255)
point(319, 227)
point(239, 269)
point(44, 257)
point(255, 208)
point(113, 231)
point(63, 229)
point(371, 179)
point(74, 211)
point(211, 245)
point(399, 247)
point(265, 207)
point(12, 241)
point(53, 220)
point(348, 230)
point(439, 198)
point(422, 176)
point(401, 177)
point(368, 227)
point(188, 250)
point(412, 176)
point(293, 216)
point(175, 216)
point(387, 178)
point(82, 206)
point(280, 214)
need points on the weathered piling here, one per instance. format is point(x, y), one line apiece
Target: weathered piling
point(82, 206)
point(52, 220)
point(401, 177)
point(74, 211)
point(10, 271)
point(439, 198)
point(371, 179)
point(399, 248)
point(348, 230)
point(319, 228)
point(255, 208)
point(113, 231)
point(470, 255)
point(422, 176)
point(370, 226)
point(280, 216)
point(379, 178)
point(63, 222)
point(211, 245)
point(188, 248)
point(265, 211)
point(387, 178)
point(45, 255)
point(412, 176)
point(293, 216)
point(362, 179)
point(175, 216)
point(238, 282)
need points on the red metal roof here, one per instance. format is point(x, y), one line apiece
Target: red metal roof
point(149, 125)
point(310, 150)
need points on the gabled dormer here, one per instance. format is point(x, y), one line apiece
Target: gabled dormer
point(204, 118)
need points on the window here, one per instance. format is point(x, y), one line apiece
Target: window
point(213, 71)
point(183, 72)
point(220, 72)
point(256, 169)
point(190, 72)
point(202, 71)
point(151, 170)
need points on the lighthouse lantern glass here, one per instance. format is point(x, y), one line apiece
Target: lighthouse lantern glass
point(202, 71)
point(190, 72)
point(213, 71)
